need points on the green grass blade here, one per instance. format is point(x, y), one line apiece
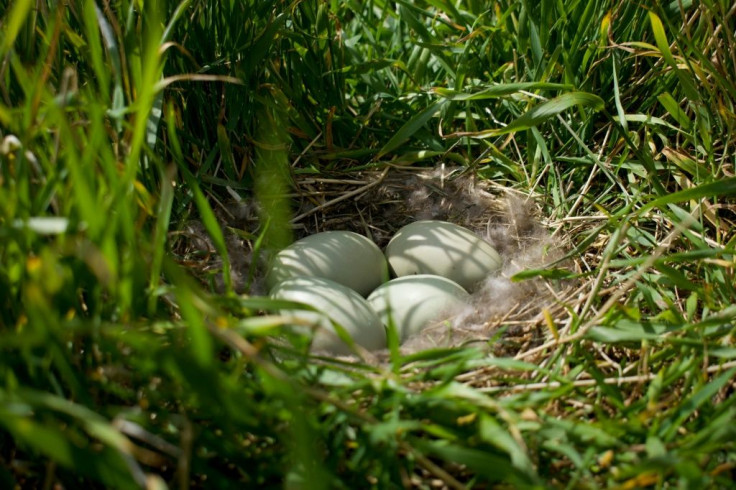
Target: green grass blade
point(13, 23)
point(209, 220)
point(664, 47)
point(694, 402)
point(720, 188)
point(544, 111)
point(410, 127)
point(499, 90)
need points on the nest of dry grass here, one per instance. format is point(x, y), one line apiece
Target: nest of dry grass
point(516, 314)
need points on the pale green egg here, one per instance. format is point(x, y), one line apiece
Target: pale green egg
point(443, 249)
point(415, 302)
point(345, 257)
point(335, 303)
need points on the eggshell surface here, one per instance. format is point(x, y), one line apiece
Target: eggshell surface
point(414, 302)
point(443, 249)
point(335, 302)
point(345, 257)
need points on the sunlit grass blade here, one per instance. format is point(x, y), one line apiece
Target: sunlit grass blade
point(664, 47)
point(499, 90)
point(720, 188)
point(544, 111)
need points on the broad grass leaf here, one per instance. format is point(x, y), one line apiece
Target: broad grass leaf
point(263, 44)
point(117, 104)
point(108, 36)
point(490, 465)
point(677, 278)
point(262, 325)
point(605, 26)
point(62, 442)
point(449, 7)
point(6, 117)
point(724, 317)
point(418, 156)
point(540, 113)
point(664, 47)
point(446, 362)
point(271, 304)
point(154, 117)
point(510, 364)
point(499, 90)
point(386, 431)
point(428, 40)
point(433, 356)
point(536, 45)
point(582, 431)
point(370, 66)
point(630, 331)
point(226, 153)
point(493, 433)
point(568, 450)
point(655, 447)
point(13, 23)
point(719, 188)
point(180, 10)
point(616, 91)
point(459, 391)
point(93, 44)
point(677, 6)
point(679, 257)
point(163, 220)
point(410, 127)
point(49, 441)
point(685, 163)
point(673, 108)
point(84, 195)
point(649, 121)
point(553, 273)
point(541, 147)
point(200, 343)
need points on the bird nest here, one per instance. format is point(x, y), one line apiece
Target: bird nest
point(515, 314)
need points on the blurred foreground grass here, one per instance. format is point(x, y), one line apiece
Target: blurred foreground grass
point(120, 120)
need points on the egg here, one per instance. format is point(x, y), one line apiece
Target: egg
point(414, 302)
point(336, 303)
point(443, 249)
point(345, 257)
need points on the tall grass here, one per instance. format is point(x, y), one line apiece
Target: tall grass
point(121, 120)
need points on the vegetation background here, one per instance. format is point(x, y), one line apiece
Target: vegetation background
point(119, 120)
